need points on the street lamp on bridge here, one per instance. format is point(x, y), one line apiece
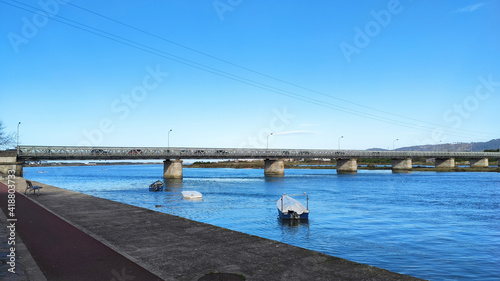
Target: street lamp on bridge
point(267, 146)
point(394, 144)
point(341, 137)
point(168, 139)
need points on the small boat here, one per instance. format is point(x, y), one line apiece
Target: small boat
point(190, 194)
point(156, 186)
point(291, 209)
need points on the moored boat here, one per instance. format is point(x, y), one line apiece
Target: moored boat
point(156, 186)
point(191, 194)
point(291, 209)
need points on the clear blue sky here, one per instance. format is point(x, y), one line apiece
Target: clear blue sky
point(227, 73)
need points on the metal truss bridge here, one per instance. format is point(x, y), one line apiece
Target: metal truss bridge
point(35, 153)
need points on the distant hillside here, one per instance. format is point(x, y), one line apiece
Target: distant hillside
point(471, 146)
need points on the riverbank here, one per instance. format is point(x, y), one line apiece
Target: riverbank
point(175, 248)
point(421, 166)
point(362, 165)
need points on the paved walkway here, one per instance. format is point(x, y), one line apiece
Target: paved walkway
point(171, 247)
point(19, 271)
point(62, 251)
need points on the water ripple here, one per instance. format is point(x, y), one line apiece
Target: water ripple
point(438, 226)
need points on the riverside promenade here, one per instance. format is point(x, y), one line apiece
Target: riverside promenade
point(131, 243)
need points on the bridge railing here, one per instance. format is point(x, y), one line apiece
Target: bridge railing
point(88, 153)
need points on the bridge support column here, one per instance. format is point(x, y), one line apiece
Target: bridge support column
point(347, 166)
point(479, 163)
point(445, 163)
point(8, 162)
point(274, 168)
point(401, 165)
point(172, 169)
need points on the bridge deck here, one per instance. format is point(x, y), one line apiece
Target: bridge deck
point(129, 153)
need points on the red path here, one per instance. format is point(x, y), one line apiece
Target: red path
point(64, 252)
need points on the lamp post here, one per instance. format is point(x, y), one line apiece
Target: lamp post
point(267, 146)
point(341, 137)
point(394, 144)
point(168, 139)
point(18, 137)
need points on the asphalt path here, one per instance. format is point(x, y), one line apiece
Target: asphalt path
point(62, 251)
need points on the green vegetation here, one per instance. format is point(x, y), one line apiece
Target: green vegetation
point(456, 169)
point(374, 161)
point(203, 163)
point(369, 164)
point(227, 164)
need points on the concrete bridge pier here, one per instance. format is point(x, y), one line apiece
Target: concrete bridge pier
point(401, 165)
point(445, 162)
point(479, 163)
point(347, 166)
point(274, 168)
point(9, 162)
point(172, 169)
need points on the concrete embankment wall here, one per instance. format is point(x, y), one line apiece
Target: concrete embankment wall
point(9, 163)
point(175, 248)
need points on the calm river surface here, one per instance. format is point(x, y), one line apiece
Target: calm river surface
point(438, 226)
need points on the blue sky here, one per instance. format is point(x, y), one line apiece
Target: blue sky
point(227, 73)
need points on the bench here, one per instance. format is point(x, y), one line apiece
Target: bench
point(30, 187)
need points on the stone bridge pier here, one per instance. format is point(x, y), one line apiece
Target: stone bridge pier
point(172, 169)
point(401, 165)
point(479, 162)
point(274, 168)
point(445, 162)
point(347, 166)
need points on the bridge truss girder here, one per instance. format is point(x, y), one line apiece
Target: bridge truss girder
point(34, 153)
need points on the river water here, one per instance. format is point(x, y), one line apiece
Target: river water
point(432, 225)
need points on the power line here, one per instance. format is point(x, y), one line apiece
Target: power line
point(225, 74)
point(254, 71)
